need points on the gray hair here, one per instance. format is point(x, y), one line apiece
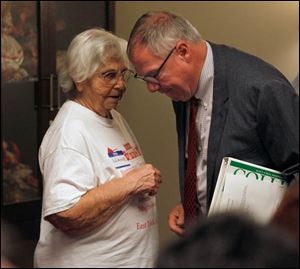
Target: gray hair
point(86, 53)
point(159, 31)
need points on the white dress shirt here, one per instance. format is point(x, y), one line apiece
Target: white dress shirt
point(203, 119)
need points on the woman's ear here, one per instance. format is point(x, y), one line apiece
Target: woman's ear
point(79, 86)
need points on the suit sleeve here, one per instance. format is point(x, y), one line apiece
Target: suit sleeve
point(278, 123)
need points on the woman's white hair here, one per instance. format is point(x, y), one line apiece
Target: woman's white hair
point(87, 52)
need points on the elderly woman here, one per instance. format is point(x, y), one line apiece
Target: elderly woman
point(99, 207)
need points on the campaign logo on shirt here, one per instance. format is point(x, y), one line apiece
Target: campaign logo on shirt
point(131, 152)
point(123, 157)
point(118, 158)
point(113, 153)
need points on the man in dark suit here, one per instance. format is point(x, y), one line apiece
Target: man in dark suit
point(246, 108)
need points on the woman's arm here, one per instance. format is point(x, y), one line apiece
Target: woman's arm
point(98, 205)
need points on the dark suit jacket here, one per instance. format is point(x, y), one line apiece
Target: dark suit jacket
point(255, 116)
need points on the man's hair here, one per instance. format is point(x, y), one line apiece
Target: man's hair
point(231, 241)
point(159, 31)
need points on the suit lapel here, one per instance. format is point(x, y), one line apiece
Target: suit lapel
point(218, 119)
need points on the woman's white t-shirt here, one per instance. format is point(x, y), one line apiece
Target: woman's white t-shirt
point(80, 151)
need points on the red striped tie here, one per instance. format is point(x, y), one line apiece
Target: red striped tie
point(190, 188)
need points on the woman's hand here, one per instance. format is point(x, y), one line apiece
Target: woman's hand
point(144, 179)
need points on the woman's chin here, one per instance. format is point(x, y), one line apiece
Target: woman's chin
point(113, 103)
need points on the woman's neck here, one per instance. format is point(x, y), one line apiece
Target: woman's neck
point(92, 106)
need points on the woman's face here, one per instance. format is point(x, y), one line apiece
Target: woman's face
point(105, 88)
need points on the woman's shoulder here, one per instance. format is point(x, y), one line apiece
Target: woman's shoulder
point(67, 129)
point(69, 118)
point(117, 116)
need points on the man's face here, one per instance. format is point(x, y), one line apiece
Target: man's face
point(169, 74)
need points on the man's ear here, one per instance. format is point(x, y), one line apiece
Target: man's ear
point(183, 50)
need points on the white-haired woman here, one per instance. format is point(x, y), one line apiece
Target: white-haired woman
point(99, 207)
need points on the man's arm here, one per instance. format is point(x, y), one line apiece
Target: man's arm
point(278, 123)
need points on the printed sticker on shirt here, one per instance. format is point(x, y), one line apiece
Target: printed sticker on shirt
point(125, 157)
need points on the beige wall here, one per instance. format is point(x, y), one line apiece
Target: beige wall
point(269, 30)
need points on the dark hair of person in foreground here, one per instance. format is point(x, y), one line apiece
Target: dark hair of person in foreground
point(231, 241)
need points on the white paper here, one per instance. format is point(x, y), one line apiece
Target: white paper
point(249, 188)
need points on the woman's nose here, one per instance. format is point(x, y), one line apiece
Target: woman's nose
point(121, 83)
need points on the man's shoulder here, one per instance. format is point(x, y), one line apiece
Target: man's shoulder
point(242, 66)
point(232, 53)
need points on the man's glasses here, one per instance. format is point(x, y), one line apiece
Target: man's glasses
point(154, 78)
point(112, 77)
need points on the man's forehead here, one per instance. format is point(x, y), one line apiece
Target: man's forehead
point(144, 60)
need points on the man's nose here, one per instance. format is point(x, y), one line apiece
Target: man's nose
point(152, 87)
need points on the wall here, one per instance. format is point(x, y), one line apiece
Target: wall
point(267, 29)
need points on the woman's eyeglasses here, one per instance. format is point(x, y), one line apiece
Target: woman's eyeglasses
point(112, 77)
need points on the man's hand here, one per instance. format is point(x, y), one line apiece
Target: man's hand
point(176, 220)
